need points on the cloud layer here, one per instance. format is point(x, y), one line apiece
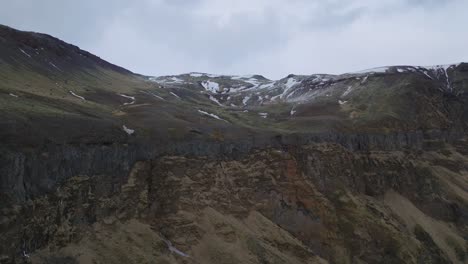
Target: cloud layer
point(269, 37)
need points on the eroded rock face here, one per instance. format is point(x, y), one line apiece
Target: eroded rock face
point(315, 203)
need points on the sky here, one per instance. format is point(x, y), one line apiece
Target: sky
point(269, 37)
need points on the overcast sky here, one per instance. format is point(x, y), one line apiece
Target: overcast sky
point(269, 37)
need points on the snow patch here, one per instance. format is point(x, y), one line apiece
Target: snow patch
point(211, 115)
point(196, 74)
point(264, 115)
point(267, 85)
point(240, 77)
point(55, 66)
point(255, 83)
point(157, 96)
point(290, 83)
point(442, 66)
point(292, 112)
point(365, 79)
point(12, 94)
point(342, 102)
point(212, 98)
point(273, 98)
point(348, 90)
point(245, 100)
point(442, 70)
point(373, 70)
point(153, 79)
point(25, 53)
point(175, 95)
point(173, 249)
point(74, 94)
point(425, 72)
point(167, 79)
point(175, 79)
point(210, 86)
point(128, 130)
point(129, 97)
point(213, 75)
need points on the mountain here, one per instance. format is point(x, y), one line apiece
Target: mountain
point(102, 165)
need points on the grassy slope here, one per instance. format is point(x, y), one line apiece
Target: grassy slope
point(42, 71)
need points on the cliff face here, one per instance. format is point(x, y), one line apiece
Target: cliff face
point(32, 172)
point(100, 165)
point(320, 202)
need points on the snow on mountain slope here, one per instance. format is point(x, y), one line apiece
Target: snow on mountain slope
point(252, 90)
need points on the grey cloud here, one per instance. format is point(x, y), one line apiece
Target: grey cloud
point(270, 37)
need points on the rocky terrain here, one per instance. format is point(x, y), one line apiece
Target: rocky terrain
point(102, 165)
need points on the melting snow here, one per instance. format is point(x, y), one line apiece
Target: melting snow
point(166, 79)
point(255, 83)
point(400, 70)
point(348, 90)
point(425, 72)
point(174, 249)
point(74, 94)
point(240, 77)
point(211, 115)
point(157, 96)
point(176, 80)
point(129, 97)
point(444, 66)
point(245, 100)
point(55, 66)
point(213, 75)
point(292, 112)
point(342, 102)
point(196, 74)
point(444, 70)
point(275, 97)
point(289, 84)
point(365, 79)
point(373, 70)
point(212, 98)
point(264, 115)
point(449, 86)
point(210, 86)
point(128, 130)
point(291, 94)
point(267, 85)
point(175, 95)
point(25, 53)
point(14, 95)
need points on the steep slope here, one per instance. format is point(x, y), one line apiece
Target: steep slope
point(102, 165)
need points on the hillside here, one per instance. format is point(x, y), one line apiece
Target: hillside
point(102, 165)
